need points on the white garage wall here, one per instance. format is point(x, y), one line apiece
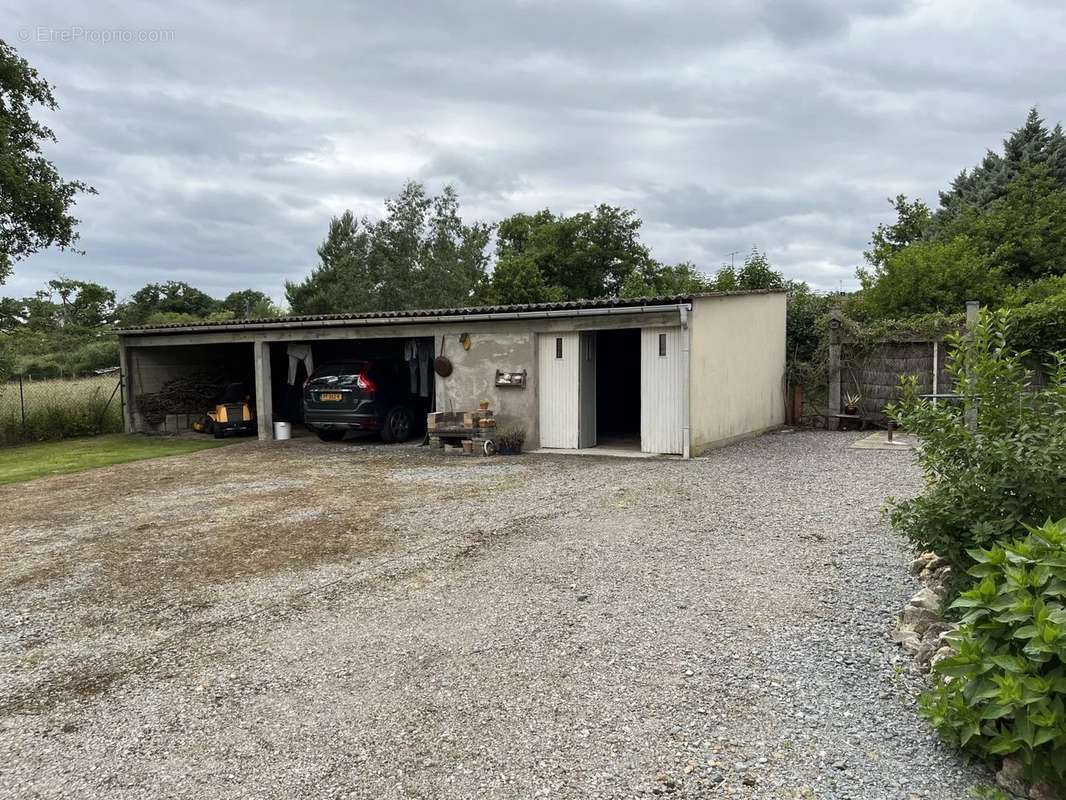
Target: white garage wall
point(737, 367)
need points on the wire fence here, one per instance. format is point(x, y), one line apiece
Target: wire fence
point(42, 409)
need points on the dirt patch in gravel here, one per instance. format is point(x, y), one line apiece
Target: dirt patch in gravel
point(233, 624)
point(104, 564)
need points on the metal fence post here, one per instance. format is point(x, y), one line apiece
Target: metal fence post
point(833, 421)
point(107, 405)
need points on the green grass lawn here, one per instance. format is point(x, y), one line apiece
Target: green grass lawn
point(29, 461)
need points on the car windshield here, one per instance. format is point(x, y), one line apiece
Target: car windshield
point(339, 373)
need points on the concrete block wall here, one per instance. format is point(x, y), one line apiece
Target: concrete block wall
point(473, 379)
point(151, 367)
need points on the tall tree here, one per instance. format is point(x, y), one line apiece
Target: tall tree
point(249, 304)
point(912, 221)
point(544, 256)
point(420, 254)
point(1000, 225)
point(978, 188)
point(81, 304)
point(35, 202)
point(171, 298)
point(656, 280)
point(347, 275)
point(755, 273)
point(927, 277)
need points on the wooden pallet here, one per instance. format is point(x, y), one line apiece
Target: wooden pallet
point(455, 420)
point(456, 427)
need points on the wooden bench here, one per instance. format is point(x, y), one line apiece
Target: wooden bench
point(844, 421)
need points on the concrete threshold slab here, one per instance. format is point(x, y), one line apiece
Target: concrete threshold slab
point(879, 441)
point(606, 452)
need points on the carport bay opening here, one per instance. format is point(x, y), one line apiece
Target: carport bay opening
point(696, 371)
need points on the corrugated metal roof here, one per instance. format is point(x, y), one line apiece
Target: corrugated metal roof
point(412, 315)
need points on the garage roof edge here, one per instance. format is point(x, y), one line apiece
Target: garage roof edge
point(410, 316)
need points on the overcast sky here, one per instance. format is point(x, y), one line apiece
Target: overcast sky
point(222, 137)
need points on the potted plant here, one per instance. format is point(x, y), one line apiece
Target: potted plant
point(509, 441)
point(851, 403)
point(484, 405)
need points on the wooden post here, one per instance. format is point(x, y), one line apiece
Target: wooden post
point(125, 382)
point(264, 397)
point(936, 369)
point(832, 423)
point(973, 308)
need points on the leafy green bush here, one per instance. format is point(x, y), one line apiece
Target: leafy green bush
point(1004, 467)
point(1040, 326)
point(1004, 693)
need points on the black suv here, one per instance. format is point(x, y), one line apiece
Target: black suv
point(363, 396)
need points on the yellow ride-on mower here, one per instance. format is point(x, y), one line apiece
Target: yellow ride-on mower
point(234, 414)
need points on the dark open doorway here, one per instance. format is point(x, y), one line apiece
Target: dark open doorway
point(618, 388)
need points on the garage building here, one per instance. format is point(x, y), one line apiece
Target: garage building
point(665, 375)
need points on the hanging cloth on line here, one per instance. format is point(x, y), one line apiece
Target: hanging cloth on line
point(298, 352)
point(410, 355)
point(425, 355)
point(418, 355)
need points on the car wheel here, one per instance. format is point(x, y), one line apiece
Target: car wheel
point(398, 426)
point(330, 435)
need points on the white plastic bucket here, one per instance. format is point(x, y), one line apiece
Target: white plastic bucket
point(282, 430)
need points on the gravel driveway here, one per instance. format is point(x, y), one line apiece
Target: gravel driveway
point(311, 620)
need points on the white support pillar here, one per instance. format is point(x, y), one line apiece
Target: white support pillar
point(264, 391)
point(686, 380)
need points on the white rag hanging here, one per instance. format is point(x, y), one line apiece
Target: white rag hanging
point(410, 355)
point(298, 352)
point(425, 355)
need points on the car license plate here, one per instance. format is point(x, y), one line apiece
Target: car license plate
point(334, 397)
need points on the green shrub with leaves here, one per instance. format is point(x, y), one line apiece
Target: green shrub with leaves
point(1004, 693)
point(995, 460)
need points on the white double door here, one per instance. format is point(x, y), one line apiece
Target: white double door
point(566, 372)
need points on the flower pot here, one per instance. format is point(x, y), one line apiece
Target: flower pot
point(484, 405)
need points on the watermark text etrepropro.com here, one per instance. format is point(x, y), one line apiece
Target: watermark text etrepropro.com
point(78, 33)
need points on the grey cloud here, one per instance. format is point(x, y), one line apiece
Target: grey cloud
point(221, 155)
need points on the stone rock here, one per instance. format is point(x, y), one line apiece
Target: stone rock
point(1044, 791)
point(924, 655)
point(935, 632)
point(939, 580)
point(927, 599)
point(918, 619)
point(940, 655)
point(932, 560)
point(1011, 777)
point(908, 640)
